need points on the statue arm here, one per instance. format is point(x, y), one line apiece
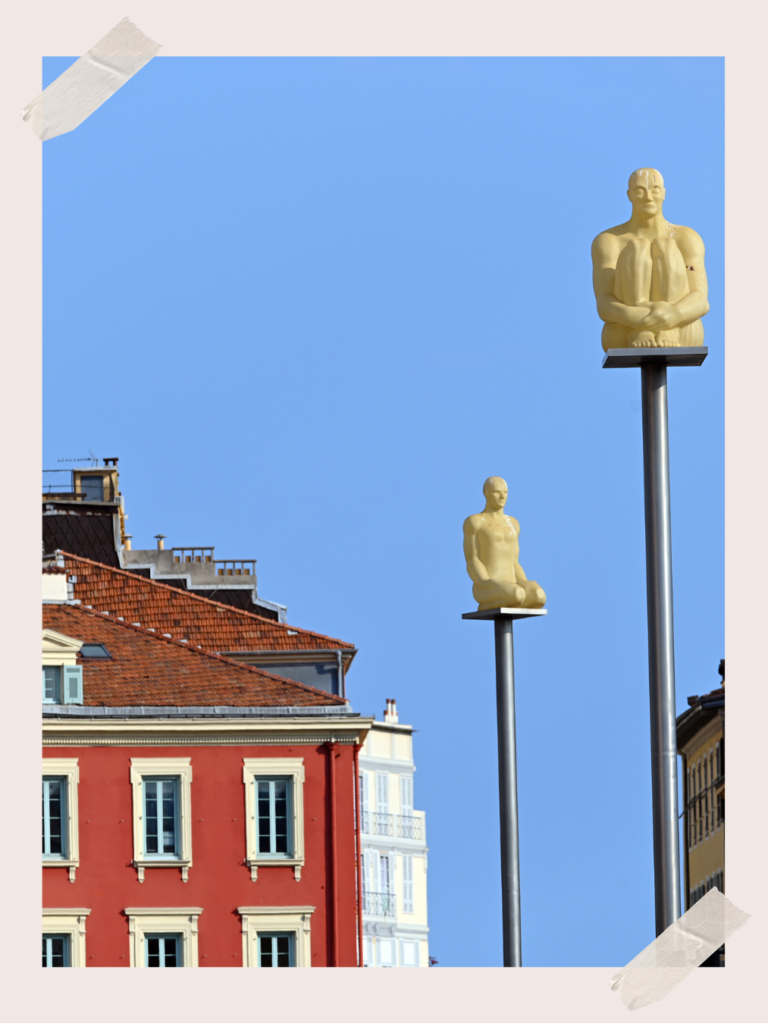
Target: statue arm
point(695, 304)
point(520, 575)
point(605, 252)
point(475, 568)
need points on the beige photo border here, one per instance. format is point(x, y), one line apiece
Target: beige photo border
point(403, 28)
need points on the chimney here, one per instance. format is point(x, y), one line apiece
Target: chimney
point(160, 544)
point(127, 544)
point(390, 714)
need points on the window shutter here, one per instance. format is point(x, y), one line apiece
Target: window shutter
point(73, 683)
point(386, 952)
point(43, 681)
point(382, 793)
point(364, 791)
point(407, 884)
point(406, 795)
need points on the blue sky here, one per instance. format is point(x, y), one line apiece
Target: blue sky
point(312, 304)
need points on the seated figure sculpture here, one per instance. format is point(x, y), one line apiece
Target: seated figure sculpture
point(492, 549)
point(649, 276)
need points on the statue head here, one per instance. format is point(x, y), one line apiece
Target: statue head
point(646, 192)
point(495, 490)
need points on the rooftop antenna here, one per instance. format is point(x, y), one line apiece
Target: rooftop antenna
point(83, 459)
point(94, 459)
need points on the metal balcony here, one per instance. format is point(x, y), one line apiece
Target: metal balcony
point(379, 903)
point(410, 827)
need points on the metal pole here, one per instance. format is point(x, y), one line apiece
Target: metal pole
point(510, 847)
point(661, 644)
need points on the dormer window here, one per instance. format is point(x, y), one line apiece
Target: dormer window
point(94, 650)
point(51, 684)
point(62, 675)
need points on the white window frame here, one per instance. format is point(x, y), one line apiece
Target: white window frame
point(406, 795)
point(57, 767)
point(381, 944)
point(70, 922)
point(417, 948)
point(365, 803)
point(173, 767)
point(163, 920)
point(408, 883)
point(295, 920)
point(382, 789)
point(255, 768)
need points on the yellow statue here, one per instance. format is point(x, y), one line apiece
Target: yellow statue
point(649, 276)
point(491, 547)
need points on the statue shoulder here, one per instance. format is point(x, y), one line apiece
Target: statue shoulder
point(471, 522)
point(608, 243)
point(688, 241)
point(513, 521)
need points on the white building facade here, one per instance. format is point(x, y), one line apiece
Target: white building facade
point(395, 931)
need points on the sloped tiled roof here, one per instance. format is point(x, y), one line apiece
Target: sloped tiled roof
point(199, 620)
point(146, 669)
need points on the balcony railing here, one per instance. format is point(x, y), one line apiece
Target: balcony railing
point(409, 827)
point(387, 824)
point(379, 903)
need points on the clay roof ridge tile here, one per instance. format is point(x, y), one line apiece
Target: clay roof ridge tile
point(141, 580)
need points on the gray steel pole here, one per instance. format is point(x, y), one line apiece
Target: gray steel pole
point(510, 846)
point(661, 643)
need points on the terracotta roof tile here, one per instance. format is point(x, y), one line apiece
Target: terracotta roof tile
point(185, 615)
point(147, 669)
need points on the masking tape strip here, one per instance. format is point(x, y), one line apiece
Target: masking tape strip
point(90, 81)
point(676, 952)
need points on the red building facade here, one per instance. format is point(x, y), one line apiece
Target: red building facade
point(196, 811)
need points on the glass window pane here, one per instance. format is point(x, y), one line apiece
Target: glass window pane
point(275, 950)
point(55, 950)
point(92, 488)
point(51, 687)
point(54, 816)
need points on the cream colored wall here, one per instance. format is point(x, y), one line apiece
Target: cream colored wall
point(54, 587)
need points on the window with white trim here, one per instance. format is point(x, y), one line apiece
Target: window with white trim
point(365, 801)
point(407, 884)
point(162, 813)
point(274, 813)
point(163, 936)
point(382, 793)
point(51, 683)
point(55, 817)
point(60, 824)
point(163, 949)
point(406, 795)
point(409, 953)
point(272, 933)
point(276, 949)
point(64, 937)
point(368, 958)
point(386, 951)
point(161, 817)
point(273, 806)
point(56, 950)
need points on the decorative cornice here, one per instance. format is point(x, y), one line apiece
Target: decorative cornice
point(220, 732)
